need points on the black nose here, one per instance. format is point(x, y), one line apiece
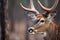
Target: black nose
point(30, 30)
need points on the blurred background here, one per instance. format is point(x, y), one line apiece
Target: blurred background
point(16, 19)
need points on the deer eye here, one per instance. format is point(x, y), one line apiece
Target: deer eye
point(42, 21)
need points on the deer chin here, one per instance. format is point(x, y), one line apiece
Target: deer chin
point(43, 34)
point(32, 33)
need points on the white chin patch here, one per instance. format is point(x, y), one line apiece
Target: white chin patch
point(43, 34)
point(32, 33)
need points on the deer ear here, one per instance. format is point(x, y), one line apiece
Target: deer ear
point(45, 14)
point(51, 15)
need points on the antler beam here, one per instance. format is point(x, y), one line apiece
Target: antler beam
point(30, 9)
point(49, 9)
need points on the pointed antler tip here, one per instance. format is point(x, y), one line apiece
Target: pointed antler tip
point(20, 3)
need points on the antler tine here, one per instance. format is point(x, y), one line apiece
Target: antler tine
point(49, 9)
point(25, 8)
point(32, 7)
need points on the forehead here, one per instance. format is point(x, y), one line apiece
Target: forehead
point(39, 16)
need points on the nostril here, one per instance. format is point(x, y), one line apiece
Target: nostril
point(30, 30)
point(42, 21)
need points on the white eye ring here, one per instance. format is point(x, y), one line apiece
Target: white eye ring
point(42, 20)
point(43, 34)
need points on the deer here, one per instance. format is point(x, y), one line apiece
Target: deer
point(45, 22)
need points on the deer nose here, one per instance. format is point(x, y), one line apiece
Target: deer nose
point(30, 30)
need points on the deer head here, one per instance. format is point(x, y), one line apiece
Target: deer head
point(44, 20)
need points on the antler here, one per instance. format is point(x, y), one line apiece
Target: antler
point(32, 7)
point(49, 9)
